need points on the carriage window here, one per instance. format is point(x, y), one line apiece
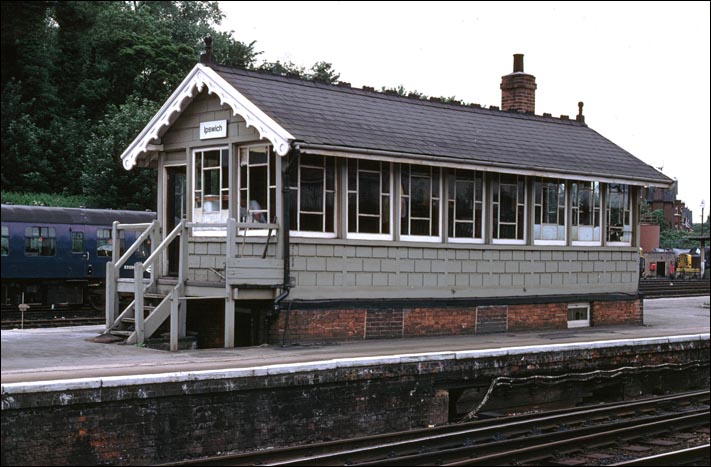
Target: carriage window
point(509, 208)
point(549, 215)
point(313, 190)
point(104, 244)
point(419, 194)
point(465, 205)
point(77, 242)
point(585, 208)
point(40, 241)
point(618, 207)
point(5, 241)
point(368, 199)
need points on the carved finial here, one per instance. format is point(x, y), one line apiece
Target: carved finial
point(580, 117)
point(206, 56)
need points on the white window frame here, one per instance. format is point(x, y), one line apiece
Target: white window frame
point(538, 182)
point(523, 225)
point(625, 209)
point(297, 192)
point(370, 236)
point(434, 185)
point(573, 204)
point(223, 213)
point(482, 202)
point(578, 323)
point(242, 150)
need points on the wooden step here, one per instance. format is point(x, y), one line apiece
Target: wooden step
point(121, 333)
point(154, 295)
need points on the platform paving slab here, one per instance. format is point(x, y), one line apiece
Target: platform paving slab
point(68, 353)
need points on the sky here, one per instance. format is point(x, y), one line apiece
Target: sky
point(641, 68)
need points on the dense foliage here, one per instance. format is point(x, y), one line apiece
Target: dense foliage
point(81, 79)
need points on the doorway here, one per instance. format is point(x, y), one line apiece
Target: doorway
point(175, 211)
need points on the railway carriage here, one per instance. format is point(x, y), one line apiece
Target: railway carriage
point(57, 256)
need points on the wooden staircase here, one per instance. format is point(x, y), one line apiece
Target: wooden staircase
point(149, 309)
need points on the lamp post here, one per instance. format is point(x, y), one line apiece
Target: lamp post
point(702, 206)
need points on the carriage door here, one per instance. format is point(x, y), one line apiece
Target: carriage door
point(175, 211)
point(79, 266)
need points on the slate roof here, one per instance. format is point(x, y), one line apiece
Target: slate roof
point(322, 114)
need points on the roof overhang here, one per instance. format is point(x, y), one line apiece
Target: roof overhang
point(201, 77)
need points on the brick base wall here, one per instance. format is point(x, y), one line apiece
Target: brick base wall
point(305, 326)
point(604, 313)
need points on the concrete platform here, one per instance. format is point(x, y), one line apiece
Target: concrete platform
point(65, 354)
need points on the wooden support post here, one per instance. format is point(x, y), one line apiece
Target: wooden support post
point(182, 278)
point(110, 292)
point(229, 318)
point(231, 238)
point(138, 303)
point(155, 236)
point(174, 319)
point(115, 243)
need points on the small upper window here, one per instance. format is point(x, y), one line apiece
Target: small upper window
point(77, 242)
point(5, 241)
point(40, 241)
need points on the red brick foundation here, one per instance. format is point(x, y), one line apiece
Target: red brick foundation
point(305, 326)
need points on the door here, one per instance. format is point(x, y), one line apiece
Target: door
point(175, 211)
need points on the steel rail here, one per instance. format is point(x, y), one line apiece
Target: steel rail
point(371, 447)
point(680, 457)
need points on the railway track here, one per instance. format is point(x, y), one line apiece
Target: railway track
point(550, 438)
point(51, 323)
point(44, 316)
point(655, 288)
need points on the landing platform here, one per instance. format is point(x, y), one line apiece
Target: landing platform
point(64, 353)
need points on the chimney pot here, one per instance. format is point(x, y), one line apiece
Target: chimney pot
point(206, 56)
point(518, 63)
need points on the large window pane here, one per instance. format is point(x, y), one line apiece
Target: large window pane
point(585, 212)
point(549, 210)
point(618, 213)
point(312, 188)
point(368, 197)
point(509, 206)
point(420, 193)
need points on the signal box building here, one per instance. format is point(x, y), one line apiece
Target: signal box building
point(294, 211)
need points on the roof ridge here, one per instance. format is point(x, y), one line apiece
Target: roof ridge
point(369, 91)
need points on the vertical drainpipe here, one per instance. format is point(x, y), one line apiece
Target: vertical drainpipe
point(292, 159)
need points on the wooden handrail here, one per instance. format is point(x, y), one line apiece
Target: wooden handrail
point(146, 233)
point(171, 236)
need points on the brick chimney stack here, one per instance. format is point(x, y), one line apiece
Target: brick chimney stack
point(518, 89)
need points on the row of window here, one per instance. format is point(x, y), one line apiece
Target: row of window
point(42, 241)
point(475, 201)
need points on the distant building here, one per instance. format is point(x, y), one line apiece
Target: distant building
point(676, 215)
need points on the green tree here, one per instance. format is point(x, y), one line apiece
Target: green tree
point(323, 71)
point(104, 180)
